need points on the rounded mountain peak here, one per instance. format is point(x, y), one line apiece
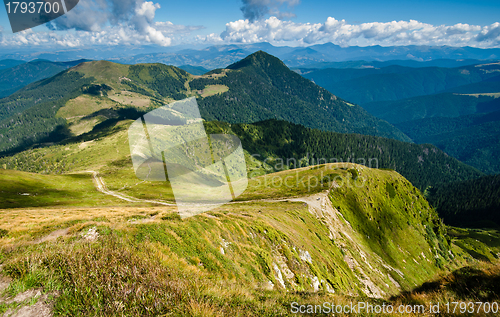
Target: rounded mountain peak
point(259, 59)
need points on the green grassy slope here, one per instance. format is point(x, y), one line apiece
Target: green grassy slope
point(374, 235)
point(285, 231)
point(351, 244)
point(26, 190)
point(247, 258)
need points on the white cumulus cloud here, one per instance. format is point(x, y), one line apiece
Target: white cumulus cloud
point(103, 22)
point(340, 32)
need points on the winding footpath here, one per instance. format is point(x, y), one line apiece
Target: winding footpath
point(316, 200)
point(100, 185)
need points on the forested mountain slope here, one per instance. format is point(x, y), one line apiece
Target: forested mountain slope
point(259, 87)
point(472, 203)
point(16, 77)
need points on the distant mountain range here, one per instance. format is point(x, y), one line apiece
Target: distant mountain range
point(395, 82)
point(361, 64)
point(221, 56)
point(454, 108)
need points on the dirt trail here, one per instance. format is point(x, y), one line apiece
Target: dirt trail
point(52, 236)
point(101, 186)
point(314, 201)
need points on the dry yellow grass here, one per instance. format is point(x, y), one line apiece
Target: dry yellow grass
point(214, 90)
point(84, 105)
point(23, 223)
point(131, 99)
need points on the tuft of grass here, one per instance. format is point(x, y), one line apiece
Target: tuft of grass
point(137, 217)
point(171, 217)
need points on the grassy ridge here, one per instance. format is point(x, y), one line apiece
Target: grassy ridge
point(372, 241)
point(373, 235)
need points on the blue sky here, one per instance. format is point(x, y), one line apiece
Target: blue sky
point(218, 12)
point(281, 22)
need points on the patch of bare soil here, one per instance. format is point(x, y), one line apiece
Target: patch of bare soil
point(42, 308)
point(53, 236)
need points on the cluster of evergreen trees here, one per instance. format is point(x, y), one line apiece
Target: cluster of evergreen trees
point(168, 81)
point(29, 116)
point(283, 142)
point(468, 203)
